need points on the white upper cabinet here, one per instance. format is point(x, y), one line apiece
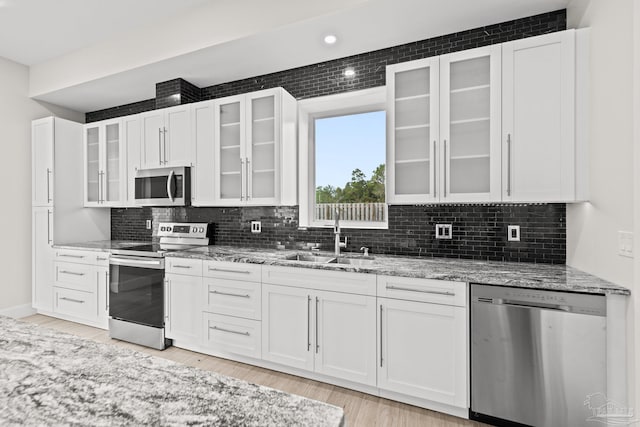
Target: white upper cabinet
point(469, 147)
point(412, 131)
point(203, 176)
point(42, 162)
point(105, 164)
point(444, 128)
point(131, 134)
point(542, 152)
point(255, 150)
point(166, 137)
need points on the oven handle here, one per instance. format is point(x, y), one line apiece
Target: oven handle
point(170, 186)
point(157, 264)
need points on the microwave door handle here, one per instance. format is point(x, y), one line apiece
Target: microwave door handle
point(170, 185)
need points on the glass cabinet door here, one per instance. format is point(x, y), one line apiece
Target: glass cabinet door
point(93, 175)
point(470, 119)
point(261, 158)
point(413, 129)
point(231, 162)
point(111, 176)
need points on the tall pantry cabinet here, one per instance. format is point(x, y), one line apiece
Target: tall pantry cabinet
point(57, 200)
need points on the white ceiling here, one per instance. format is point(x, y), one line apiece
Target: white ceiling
point(35, 31)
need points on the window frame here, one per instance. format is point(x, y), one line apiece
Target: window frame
point(354, 102)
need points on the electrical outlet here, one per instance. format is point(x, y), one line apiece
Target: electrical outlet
point(625, 244)
point(513, 233)
point(443, 231)
point(256, 226)
point(148, 224)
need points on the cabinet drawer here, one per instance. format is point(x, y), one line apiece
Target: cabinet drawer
point(309, 278)
point(232, 270)
point(233, 297)
point(191, 267)
point(80, 277)
point(75, 303)
point(423, 290)
point(82, 257)
point(232, 335)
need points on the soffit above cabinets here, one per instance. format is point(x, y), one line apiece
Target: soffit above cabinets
point(123, 67)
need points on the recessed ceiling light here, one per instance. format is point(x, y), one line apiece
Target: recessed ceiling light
point(330, 39)
point(349, 72)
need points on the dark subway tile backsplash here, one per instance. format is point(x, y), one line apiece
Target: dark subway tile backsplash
point(479, 231)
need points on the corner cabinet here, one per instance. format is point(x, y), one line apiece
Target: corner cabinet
point(105, 168)
point(443, 130)
point(166, 137)
point(544, 149)
point(255, 150)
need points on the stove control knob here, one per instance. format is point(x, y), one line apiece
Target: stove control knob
point(162, 228)
point(169, 228)
point(194, 229)
point(201, 229)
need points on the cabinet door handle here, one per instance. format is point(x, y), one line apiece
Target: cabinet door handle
point(49, 239)
point(444, 166)
point(160, 145)
point(100, 189)
point(230, 294)
point(248, 186)
point(433, 163)
point(225, 270)
point(72, 300)
point(70, 256)
point(229, 331)
point(49, 199)
point(73, 273)
point(167, 298)
point(106, 296)
point(317, 343)
point(508, 164)
point(424, 291)
point(242, 178)
point(308, 322)
point(381, 335)
point(101, 259)
point(164, 145)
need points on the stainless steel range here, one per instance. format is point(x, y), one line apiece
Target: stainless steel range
point(136, 283)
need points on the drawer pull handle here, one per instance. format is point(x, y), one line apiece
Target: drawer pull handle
point(229, 330)
point(231, 295)
point(181, 266)
point(72, 300)
point(70, 256)
point(102, 259)
point(424, 291)
point(225, 270)
point(71, 272)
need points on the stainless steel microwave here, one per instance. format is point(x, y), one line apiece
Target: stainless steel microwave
point(163, 187)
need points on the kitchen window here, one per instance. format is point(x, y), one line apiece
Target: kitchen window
point(342, 160)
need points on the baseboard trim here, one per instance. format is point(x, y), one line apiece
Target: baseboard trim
point(18, 311)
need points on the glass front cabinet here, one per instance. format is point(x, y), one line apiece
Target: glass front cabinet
point(104, 167)
point(444, 128)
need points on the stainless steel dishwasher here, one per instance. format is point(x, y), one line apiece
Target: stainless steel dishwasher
point(536, 355)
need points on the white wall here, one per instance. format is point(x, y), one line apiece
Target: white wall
point(16, 113)
point(592, 228)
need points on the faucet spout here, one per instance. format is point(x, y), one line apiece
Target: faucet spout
point(336, 231)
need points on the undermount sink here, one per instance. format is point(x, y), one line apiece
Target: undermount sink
point(326, 259)
point(321, 259)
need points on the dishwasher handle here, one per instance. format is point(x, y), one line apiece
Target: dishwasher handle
point(525, 304)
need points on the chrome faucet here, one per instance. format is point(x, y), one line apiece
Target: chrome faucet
point(336, 231)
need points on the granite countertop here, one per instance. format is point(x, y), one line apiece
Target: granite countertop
point(53, 378)
point(524, 275)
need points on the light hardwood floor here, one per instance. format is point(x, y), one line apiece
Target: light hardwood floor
point(360, 409)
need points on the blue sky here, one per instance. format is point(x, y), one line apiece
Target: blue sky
point(347, 142)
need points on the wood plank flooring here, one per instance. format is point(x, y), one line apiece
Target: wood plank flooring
point(360, 409)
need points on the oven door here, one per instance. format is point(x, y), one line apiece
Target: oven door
point(163, 187)
point(136, 290)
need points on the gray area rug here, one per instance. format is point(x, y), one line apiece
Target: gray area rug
point(52, 378)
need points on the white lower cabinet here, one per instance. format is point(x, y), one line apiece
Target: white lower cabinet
point(81, 286)
point(232, 334)
point(423, 349)
point(329, 333)
point(182, 308)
